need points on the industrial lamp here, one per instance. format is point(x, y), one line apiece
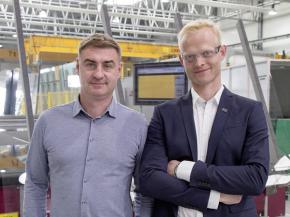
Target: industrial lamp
point(273, 11)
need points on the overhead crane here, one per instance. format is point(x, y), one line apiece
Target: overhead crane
point(60, 49)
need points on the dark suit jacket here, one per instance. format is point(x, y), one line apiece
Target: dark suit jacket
point(237, 158)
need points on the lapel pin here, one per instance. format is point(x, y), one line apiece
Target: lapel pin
point(224, 109)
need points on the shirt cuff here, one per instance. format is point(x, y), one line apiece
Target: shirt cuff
point(183, 170)
point(213, 201)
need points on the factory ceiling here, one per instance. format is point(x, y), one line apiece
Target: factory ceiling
point(138, 20)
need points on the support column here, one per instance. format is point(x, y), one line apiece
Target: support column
point(23, 67)
point(260, 28)
point(178, 22)
point(107, 29)
point(258, 91)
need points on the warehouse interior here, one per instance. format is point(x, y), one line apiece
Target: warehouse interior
point(50, 32)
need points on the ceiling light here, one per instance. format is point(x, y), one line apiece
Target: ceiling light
point(1, 45)
point(42, 14)
point(116, 20)
point(14, 35)
point(273, 11)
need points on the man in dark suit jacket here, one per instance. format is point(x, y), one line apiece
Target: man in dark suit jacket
point(207, 152)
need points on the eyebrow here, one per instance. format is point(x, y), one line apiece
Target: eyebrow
point(90, 60)
point(109, 61)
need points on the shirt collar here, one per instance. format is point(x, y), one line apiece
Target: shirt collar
point(216, 98)
point(111, 110)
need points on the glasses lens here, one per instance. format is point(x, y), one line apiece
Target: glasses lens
point(205, 54)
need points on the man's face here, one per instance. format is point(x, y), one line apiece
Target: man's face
point(201, 55)
point(99, 70)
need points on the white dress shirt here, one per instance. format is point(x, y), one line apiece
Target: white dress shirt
point(204, 113)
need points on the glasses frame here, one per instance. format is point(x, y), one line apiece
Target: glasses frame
point(202, 54)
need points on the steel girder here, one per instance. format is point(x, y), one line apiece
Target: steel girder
point(146, 20)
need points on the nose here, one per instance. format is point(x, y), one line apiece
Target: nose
point(99, 72)
point(199, 60)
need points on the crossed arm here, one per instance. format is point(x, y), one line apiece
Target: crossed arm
point(172, 169)
point(158, 184)
point(247, 178)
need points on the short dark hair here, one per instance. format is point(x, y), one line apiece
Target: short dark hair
point(99, 41)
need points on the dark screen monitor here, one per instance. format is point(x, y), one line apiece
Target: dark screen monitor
point(155, 83)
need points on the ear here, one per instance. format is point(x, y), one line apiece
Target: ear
point(181, 60)
point(120, 68)
point(223, 50)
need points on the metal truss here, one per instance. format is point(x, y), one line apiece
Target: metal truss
point(146, 20)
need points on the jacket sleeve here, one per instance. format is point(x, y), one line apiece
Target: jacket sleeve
point(154, 180)
point(36, 184)
point(248, 178)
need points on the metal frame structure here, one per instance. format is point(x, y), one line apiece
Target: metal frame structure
point(146, 20)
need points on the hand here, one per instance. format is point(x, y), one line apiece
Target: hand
point(230, 199)
point(171, 166)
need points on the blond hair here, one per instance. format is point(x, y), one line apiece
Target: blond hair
point(197, 25)
point(99, 41)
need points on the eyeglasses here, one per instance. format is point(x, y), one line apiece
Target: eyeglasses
point(206, 54)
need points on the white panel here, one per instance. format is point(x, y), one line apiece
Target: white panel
point(239, 80)
point(226, 77)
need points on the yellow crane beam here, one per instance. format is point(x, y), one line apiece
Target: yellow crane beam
point(64, 49)
point(8, 55)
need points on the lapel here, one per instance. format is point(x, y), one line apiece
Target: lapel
point(188, 121)
point(223, 111)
